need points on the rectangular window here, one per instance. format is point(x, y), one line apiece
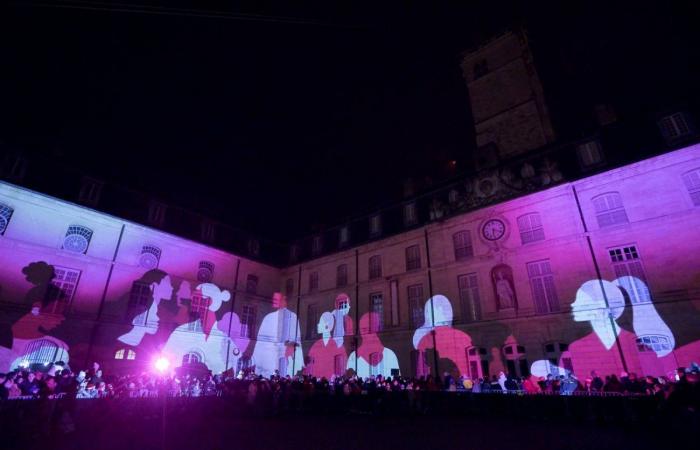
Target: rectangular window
point(589, 154)
point(90, 191)
point(294, 253)
point(469, 298)
point(311, 321)
point(248, 321)
point(139, 297)
point(692, 183)
point(410, 214)
point(316, 245)
point(375, 267)
point(156, 214)
point(415, 305)
point(375, 225)
point(344, 236)
point(627, 265)
point(394, 291)
point(339, 365)
point(412, 257)
point(313, 282)
point(208, 229)
point(544, 293)
point(341, 276)
point(60, 294)
point(530, 226)
point(376, 305)
point(198, 310)
point(674, 126)
point(251, 285)
point(462, 242)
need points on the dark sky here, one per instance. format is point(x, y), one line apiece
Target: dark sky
point(275, 125)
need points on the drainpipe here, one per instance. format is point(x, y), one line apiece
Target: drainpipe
point(357, 307)
point(100, 309)
point(233, 301)
point(432, 308)
point(598, 274)
point(297, 325)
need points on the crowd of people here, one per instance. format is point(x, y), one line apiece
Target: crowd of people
point(60, 382)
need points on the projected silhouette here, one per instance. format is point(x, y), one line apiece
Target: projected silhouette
point(372, 357)
point(451, 343)
point(147, 321)
point(206, 337)
point(278, 338)
point(325, 352)
point(649, 350)
point(30, 340)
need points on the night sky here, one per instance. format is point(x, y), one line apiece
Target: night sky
point(278, 126)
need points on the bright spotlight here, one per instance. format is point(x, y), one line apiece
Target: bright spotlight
point(162, 364)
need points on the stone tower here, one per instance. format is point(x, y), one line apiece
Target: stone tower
point(507, 102)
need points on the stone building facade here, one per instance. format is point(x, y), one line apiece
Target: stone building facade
point(504, 279)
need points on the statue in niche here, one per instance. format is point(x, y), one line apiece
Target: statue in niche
point(502, 277)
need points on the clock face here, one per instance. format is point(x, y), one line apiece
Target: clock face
point(494, 229)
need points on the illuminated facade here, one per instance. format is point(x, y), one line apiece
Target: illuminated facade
point(504, 278)
point(599, 273)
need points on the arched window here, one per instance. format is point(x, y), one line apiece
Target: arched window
point(42, 351)
point(530, 226)
point(206, 272)
point(690, 179)
point(609, 209)
point(150, 256)
point(375, 267)
point(192, 357)
point(5, 215)
point(77, 239)
point(462, 242)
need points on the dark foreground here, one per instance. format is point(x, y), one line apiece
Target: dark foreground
point(464, 422)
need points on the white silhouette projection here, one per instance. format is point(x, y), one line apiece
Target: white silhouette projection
point(212, 343)
point(450, 343)
point(147, 321)
point(278, 338)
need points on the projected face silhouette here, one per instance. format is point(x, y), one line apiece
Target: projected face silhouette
point(590, 301)
point(325, 324)
point(590, 306)
point(279, 301)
